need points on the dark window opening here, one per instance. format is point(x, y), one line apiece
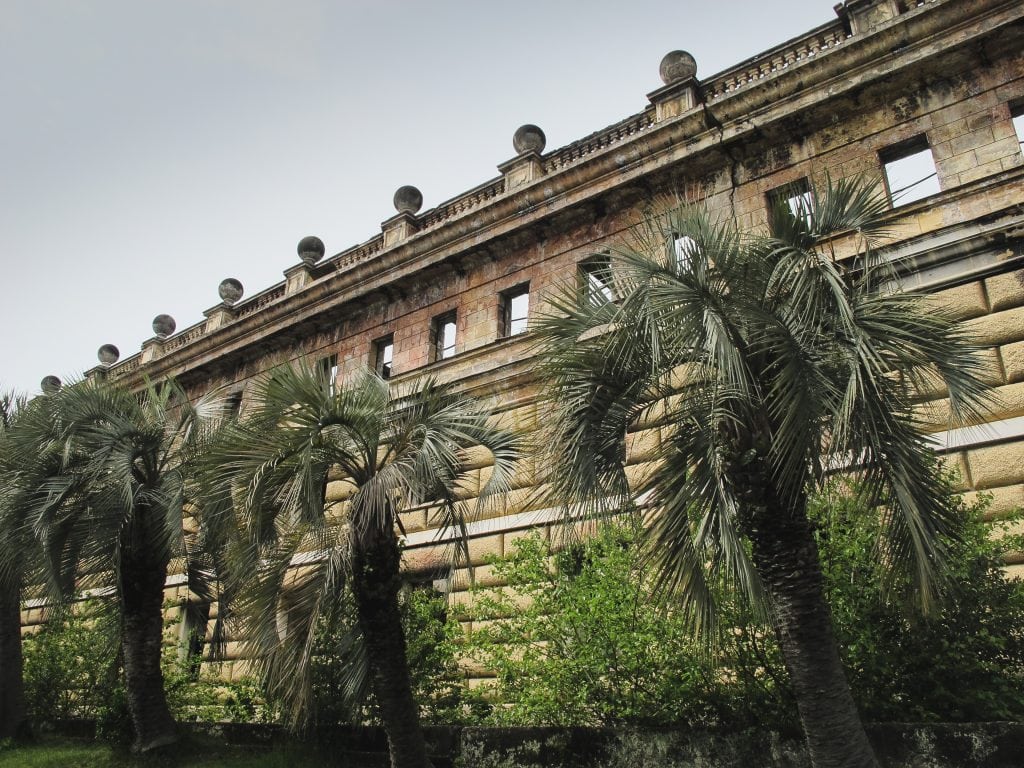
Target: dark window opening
point(233, 405)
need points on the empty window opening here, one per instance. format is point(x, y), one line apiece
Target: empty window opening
point(383, 355)
point(910, 173)
point(794, 198)
point(443, 330)
point(683, 248)
point(233, 405)
point(1017, 116)
point(596, 279)
point(327, 370)
point(515, 309)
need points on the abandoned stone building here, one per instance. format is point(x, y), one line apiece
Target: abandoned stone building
point(927, 95)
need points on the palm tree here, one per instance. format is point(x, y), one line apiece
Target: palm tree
point(113, 511)
point(769, 363)
point(13, 551)
point(396, 450)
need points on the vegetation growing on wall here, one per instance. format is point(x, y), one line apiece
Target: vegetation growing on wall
point(596, 644)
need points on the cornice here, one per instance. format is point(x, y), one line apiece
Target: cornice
point(926, 33)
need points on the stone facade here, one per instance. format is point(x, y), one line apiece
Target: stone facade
point(885, 79)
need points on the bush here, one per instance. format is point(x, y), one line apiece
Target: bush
point(583, 638)
point(73, 670)
point(965, 661)
point(340, 676)
point(596, 645)
point(70, 663)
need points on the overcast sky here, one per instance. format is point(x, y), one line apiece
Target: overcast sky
point(150, 149)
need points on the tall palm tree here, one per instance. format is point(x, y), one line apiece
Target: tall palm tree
point(113, 511)
point(14, 548)
point(396, 449)
point(768, 363)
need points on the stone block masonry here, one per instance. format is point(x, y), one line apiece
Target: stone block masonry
point(943, 75)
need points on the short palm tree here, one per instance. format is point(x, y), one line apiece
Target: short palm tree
point(112, 514)
point(396, 449)
point(768, 363)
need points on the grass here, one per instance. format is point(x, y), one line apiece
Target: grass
point(189, 753)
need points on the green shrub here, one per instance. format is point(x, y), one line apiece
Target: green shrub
point(70, 663)
point(340, 678)
point(73, 670)
point(964, 661)
point(597, 645)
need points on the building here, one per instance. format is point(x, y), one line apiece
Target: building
point(928, 95)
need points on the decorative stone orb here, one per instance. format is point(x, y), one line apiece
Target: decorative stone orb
point(529, 138)
point(311, 250)
point(50, 384)
point(163, 326)
point(108, 354)
point(676, 66)
point(230, 290)
point(408, 199)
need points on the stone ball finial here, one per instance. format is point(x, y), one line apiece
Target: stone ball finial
point(311, 250)
point(50, 384)
point(529, 138)
point(230, 290)
point(163, 326)
point(676, 66)
point(408, 199)
point(108, 354)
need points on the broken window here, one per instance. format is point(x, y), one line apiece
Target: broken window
point(910, 173)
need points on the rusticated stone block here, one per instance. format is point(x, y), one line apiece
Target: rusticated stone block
point(340, 490)
point(413, 520)
point(424, 559)
point(481, 576)
point(1006, 291)
point(642, 446)
point(1001, 501)
point(996, 465)
point(963, 302)
point(956, 464)
point(511, 537)
point(481, 548)
point(998, 328)
point(1013, 361)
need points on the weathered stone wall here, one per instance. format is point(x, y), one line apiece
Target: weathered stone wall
point(822, 106)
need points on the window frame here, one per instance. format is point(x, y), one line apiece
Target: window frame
point(594, 276)
point(1017, 121)
point(438, 349)
point(794, 196)
point(508, 323)
point(384, 368)
point(327, 371)
point(913, 147)
point(678, 256)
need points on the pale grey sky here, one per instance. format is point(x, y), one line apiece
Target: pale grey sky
point(150, 149)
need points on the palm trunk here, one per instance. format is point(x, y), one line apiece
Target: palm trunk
point(142, 585)
point(786, 556)
point(375, 585)
point(12, 686)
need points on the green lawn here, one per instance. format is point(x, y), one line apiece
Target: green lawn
point(193, 753)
